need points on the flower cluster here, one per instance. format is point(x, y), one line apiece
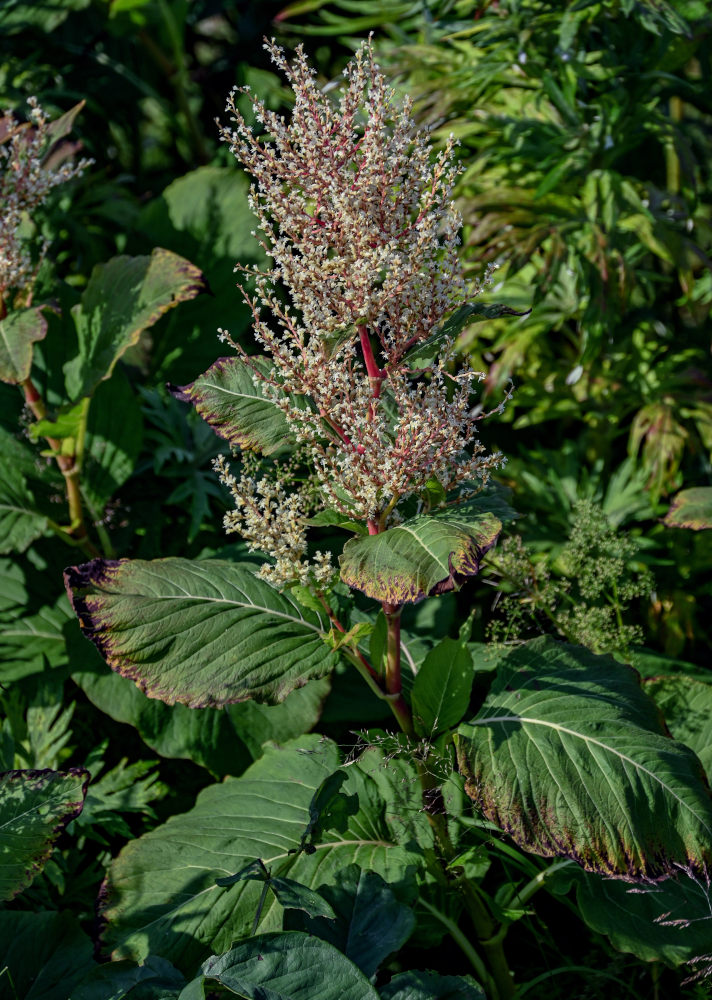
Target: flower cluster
point(273, 518)
point(26, 178)
point(355, 212)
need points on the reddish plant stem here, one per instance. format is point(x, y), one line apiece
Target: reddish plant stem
point(367, 668)
point(375, 374)
point(394, 683)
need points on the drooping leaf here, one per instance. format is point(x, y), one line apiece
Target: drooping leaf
point(202, 633)
point(124, 296)
point(295, 896)
point(570, 757)
point(204, 216)
point(686, 704)
point(43, 955)
point(442, 686)
point(290, 894)
point(161, 896)
point(35, 806)
point(691, 509)
point(426, 555)
point(289, 964)
point(416, 985)
point(668, 921)
point(371, 922)
point(229, 397)
point(329, 809)
point(19, 330)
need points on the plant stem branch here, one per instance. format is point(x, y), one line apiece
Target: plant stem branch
point(69, 466)
point(463, 943)
point(394, 683)
point(533, 886)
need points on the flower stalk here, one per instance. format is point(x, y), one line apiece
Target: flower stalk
point(355, 212)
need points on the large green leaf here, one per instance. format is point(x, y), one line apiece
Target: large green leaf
point(42, 955)
point(202, 633)
point(225, 740)
point(32, 619)
point(442, 686)
point(668, 921)
point(124, 296)
point(112, 446)
point(29, 642)
point(161, 894)
point(229, 397)
point(426, 555)
point(691, 509)
point(154, 979)
point(204, 216)
point(35, 806)
point(18, 332)
point(22, 520)
point(571, 758)
point(686, 704)
point(289, 966)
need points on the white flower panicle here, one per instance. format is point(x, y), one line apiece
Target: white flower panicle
point(26, 178)
point(355, 212)
point(273, 519)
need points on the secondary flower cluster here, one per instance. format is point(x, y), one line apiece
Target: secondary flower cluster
point(26, 178)
point(356, 214)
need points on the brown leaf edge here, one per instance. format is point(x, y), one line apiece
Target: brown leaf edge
point(79, 582)
point(685, 499)
point(467, 565)
point(189, 394)
point(73, 809)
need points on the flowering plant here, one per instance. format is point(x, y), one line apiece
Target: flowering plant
point(355, 418)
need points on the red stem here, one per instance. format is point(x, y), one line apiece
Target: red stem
point(375, 374)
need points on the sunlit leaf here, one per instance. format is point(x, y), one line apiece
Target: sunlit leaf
point(35, 807)
point(691, 509)
point(571, 758)
point(19, 330)
point(426, 555)
point(124, 296)
point(202, 633)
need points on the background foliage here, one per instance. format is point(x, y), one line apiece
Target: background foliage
point(586, 141)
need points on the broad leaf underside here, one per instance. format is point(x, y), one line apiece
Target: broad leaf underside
point(572, 759)
point(229, 398)
point(425, 556)
point(199, 632)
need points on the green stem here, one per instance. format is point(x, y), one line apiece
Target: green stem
point(464, 944)
point(490, 935)
point(69, 466)
point(534, 885)
point(260, 905)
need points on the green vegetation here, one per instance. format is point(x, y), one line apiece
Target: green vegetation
point(421, 723)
